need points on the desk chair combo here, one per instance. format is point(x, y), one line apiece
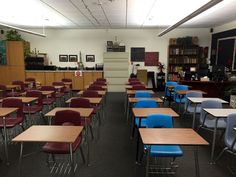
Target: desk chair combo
point(169, 92)
point(190, 108)
point(161, 151)
point(51, 99)
point(179, 98)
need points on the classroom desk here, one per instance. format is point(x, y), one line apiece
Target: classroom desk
point(3, 113)
point(217, 113)
point(84, 113)
point(100, 92)
point(142, 113)
point(12, 87)
point(103, 86)
point(199, 100)
point(132, 100)
point(60, 134)
point(172, 136)
point(91, 100)
point(130, 87)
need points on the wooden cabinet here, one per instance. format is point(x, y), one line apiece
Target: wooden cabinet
point(39, 76)
point(59, 76)
point(97, 74)
point(88, 77)
point(77, 81)
point(49, 78)
point(181, 59)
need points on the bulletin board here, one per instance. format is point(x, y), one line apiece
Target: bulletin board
point(151, 58)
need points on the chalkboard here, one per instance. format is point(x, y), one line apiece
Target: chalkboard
point(3, 58)
point(137, 54)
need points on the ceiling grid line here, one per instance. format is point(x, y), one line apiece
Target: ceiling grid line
point(82, 12)
point(100, 4)
point(90, 12)
point(59, 12)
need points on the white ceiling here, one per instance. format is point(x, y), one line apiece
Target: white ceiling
point(112, 13)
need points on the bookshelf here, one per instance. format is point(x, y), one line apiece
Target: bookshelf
point(181, 58)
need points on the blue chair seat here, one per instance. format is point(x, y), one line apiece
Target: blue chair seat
point(165, 151)
point(183, 100)
point(143, 122)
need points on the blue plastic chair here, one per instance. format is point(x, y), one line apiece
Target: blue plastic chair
point(230, 136)
point(169, 83)
point(144, 103)
point(162, 121)
point(190, 108)
point(177, 96)
point(142, 94)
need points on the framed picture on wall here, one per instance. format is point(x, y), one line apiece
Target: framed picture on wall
point(63, 58)
point(90, 58)
point(73, 58)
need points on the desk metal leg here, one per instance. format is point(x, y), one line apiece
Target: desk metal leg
point(20, 159)
point(127, 112)
point(72, 161)
point(86, 132)
point(5, 139)
point(213, 142)
point(137, 146)
point(196, 161)
point(194, 116)
point(147, 163)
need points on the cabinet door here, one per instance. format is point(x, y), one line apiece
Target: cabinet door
point(15, 53)
point(4, 75)
point(39, 76)
point(97, 75)
point(88, 78)
point(49, 78)
point(59, 76)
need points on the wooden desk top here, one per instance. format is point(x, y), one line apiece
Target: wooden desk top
point(171, 136)
point(67, 83)
point(84, 112)
point(6, 111)
point(200, 99)
point(24, 99)
point(132, 92)
point(130, 87)
point(103, 86)
point(183, 92)
point(128, 83)
point(144, 112)
point(91, 100)
point(10, 87)
point(47, 92)
point(62, 134)
point(58, 86)
point(220, 112)
point(100, 92)
point(134, 100)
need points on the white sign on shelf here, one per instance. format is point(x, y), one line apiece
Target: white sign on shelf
point(78, 73)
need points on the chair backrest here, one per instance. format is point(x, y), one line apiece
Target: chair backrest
point(100, 83)
point(80, 103)
point(49, 88)
point(133, 79)
point(139, 87)
point(95, 87)
point(101, 79)
point(179, 87)
point(59, 83)
point(146, 103)
point(142, 94)
point(14, 103)
point(3, 93)
point(66, 80)
point(230, 133)
point(21, 83)
point(134, 82)
point(208, 104)
point(67, 117)
point(169, 83)
point(192, 94)
point(90, 93)
point(159, 121)
point(32, 80)
point(36, 93)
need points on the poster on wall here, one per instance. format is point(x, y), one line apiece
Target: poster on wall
point(151, 58)
point(3, 58)
point(63, 58)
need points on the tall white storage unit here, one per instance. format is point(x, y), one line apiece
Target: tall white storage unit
point(116, 70)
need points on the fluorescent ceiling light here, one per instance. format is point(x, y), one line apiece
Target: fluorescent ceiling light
point(30, 13)
point(190, 16)
point(168, 12)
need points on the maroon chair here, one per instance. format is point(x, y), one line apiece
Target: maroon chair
point(49, 100)
point(17, 92)
point(65, 118)
point(3, 92)
point(135, 82)
point(31, 80)
point(36, 108)
point(133, 79)
point(101, 79)
point(90, 93)
point(99, 83)
point(139, 87)
point(67, 80)
point(95, 87)
point(84, 103)
point(16, 120)
point(60, 94)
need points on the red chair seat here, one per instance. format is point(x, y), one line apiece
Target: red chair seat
point(61, 148)
point(32, 109)
point(11, 122)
